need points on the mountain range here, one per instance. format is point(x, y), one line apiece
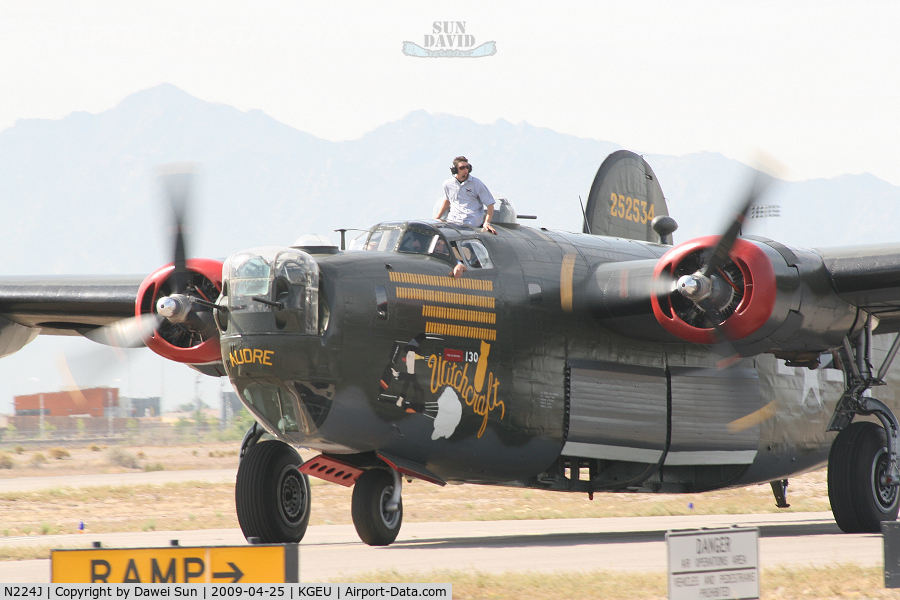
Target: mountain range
point(80, 194)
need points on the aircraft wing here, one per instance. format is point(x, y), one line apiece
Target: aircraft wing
point(66, 305)
point(103, 309)
point(868, 277)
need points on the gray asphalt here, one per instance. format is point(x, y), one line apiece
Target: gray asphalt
point(330, 552)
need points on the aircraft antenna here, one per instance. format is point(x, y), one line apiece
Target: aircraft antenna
point(584, 214)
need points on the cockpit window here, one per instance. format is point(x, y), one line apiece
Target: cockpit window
point(421, 242)
point(359, 242)
point(440, 247)
point(383, 240)
point(407, 238)
point(474, 254)
point(416, 242)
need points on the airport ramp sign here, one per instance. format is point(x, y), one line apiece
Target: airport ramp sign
point(263, 563)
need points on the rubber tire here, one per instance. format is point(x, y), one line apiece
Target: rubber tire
point(857, 459)
point(375, 526)
point(271, 496)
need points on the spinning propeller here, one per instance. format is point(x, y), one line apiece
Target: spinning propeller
point(713, 288)
point(175, 303)
point(715, 279)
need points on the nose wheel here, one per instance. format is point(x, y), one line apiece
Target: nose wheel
point(376, 507)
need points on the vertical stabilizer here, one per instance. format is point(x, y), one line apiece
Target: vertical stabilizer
point(625, 197)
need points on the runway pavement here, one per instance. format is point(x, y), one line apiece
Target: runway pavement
point(635, 544)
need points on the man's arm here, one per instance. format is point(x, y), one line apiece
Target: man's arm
point(458, 270)
point(487, 220)
point(443, 207)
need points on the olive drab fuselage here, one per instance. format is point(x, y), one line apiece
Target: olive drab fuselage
point(502, 375)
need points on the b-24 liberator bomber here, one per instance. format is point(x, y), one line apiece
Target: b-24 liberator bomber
point(609, 360)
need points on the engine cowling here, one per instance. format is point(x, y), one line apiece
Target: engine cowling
point(771, 298)
point(173, 340)
point(751, 285)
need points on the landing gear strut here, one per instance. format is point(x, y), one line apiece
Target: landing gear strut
point(376, 507)
point(864, 463)
point(779, 490)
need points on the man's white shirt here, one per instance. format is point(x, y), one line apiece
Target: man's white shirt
point(468, 200)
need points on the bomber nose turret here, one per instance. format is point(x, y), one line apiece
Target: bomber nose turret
point(271, 322)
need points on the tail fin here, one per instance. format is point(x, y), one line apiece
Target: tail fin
point(625, 197)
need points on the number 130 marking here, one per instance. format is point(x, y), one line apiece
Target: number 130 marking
point(630, 209)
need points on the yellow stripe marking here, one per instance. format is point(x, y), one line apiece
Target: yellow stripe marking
point(445, 297)
point(484, 285)
point(566, 274)
point(458, 314)
point(753, 419)
point(476, 333)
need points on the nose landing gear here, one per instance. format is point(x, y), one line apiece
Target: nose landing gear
point(377, 508)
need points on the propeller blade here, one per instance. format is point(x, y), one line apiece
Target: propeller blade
point(719, 256)
point(177, 180)
point(724, 346)
point(86, 369)
point(126, 333)
point(664, 285)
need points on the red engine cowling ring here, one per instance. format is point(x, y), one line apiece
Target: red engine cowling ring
point(206, 351)
point(752, 312)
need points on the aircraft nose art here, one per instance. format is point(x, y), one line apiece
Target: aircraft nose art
point(445, 372)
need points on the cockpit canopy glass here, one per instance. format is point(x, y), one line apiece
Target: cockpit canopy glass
point(417, 238)
point(383, 239)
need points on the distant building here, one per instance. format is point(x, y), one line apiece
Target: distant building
point(93, 402)
point(144, 407)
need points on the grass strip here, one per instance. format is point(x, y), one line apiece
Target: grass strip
point(204, 505)
point(782, 583)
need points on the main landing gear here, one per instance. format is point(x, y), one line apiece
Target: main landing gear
point(864, 463)
point(272, 495)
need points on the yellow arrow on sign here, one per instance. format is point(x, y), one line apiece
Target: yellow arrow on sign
point(270, 563)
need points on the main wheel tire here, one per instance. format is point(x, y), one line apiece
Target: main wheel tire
point(271, 495)
point(856, 465)
point(374, 524)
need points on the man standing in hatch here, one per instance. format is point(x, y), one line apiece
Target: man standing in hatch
point(469, 200)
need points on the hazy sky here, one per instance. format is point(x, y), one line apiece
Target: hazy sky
point(815, 84)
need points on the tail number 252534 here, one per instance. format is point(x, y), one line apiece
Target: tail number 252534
point(630, 209)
